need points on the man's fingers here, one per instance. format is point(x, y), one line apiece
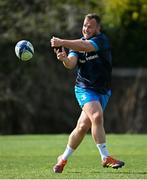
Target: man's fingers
point(57, 50)
point(63, 50)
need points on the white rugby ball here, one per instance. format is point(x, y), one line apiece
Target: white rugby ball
point(24, 50)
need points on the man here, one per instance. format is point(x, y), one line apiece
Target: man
point(91, 54)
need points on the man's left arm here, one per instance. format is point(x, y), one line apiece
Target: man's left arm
point(76, 45)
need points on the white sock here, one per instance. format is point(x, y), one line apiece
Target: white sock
point(68, 151)
point(103, 150)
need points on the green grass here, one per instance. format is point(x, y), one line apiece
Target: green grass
point(33, 156)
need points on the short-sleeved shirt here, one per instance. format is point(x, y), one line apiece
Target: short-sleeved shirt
point(94, 68)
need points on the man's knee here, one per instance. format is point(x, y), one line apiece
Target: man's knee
point(82, 128)
point(97, 117)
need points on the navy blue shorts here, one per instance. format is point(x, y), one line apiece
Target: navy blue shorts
point(87, 95)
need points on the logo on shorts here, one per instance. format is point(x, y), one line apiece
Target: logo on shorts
point(83, 97)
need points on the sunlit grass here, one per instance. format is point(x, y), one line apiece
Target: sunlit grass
point(33, 156)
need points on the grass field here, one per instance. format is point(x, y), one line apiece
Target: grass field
point(32, 157)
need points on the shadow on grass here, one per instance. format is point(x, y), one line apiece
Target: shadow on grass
point(120, 172)
point(74, 172)
point(99, 172)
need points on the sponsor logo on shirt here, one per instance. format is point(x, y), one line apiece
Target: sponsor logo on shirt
point(92, 57)
point(89, 58)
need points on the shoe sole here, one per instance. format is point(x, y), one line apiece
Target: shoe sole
point(115, 167)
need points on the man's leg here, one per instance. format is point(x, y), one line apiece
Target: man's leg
point(75, 138)
point(77, 135)
point(95, 113)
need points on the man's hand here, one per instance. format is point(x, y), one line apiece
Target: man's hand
point(61, 55)
point(56, 42)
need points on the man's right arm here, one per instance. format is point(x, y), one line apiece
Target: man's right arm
point(70, 62)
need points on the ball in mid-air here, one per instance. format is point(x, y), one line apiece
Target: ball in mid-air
point(24, 50)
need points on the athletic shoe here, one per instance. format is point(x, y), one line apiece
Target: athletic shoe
point(58, 168)
point(111, 162)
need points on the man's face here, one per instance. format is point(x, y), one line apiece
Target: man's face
point(90, 28)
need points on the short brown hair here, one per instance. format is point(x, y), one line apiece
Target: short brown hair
point(94, 16)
